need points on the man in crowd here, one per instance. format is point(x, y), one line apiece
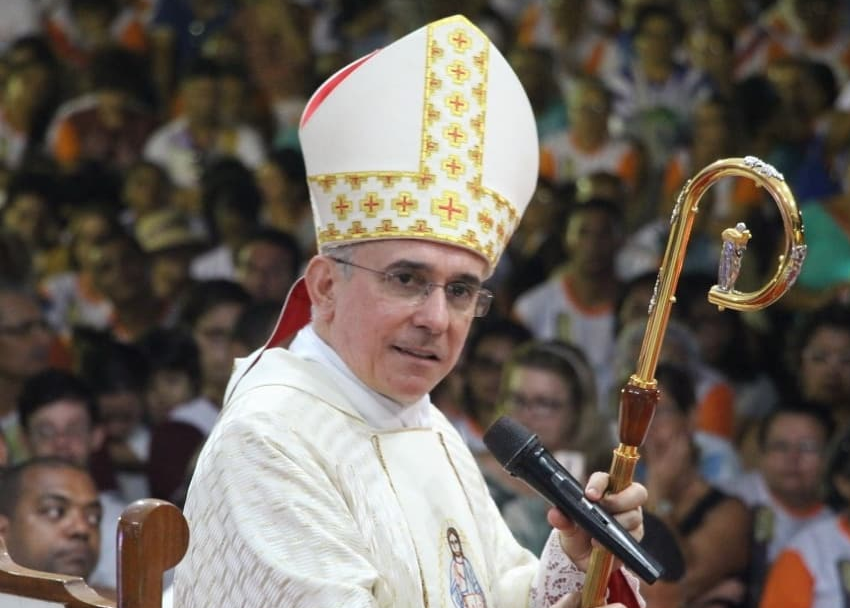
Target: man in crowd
point(50, 516)
point(25, 342)
point(59, 419)
point(330, 479)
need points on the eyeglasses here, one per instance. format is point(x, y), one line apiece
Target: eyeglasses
point(822, 356)
point(799, 447)
point(413, 287)
point(26, 328)
point(49, 433)
point(541, 405)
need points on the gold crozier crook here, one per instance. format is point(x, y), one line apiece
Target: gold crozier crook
point(640, 395)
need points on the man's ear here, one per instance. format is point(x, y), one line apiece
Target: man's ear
point(322, 278)
point(98, 435)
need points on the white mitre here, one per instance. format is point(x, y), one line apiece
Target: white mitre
point(431, 137)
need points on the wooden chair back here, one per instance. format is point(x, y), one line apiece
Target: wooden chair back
point(152, 537)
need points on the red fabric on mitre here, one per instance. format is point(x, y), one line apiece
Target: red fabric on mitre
point(294, 315)
point(329, 85)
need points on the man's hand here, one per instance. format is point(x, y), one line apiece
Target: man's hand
point(625, 506)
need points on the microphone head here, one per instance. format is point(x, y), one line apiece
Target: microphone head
point(506, 438)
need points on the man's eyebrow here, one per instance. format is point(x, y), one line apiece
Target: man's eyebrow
point(56, 497)
point(404, 264)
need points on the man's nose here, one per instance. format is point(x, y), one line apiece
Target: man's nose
point(79, 525)
point(433, 311)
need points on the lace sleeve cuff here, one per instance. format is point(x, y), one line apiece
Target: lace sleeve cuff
point(558, 576)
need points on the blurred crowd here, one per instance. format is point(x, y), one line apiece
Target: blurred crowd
point(154, 214)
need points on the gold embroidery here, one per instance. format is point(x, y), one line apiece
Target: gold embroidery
point(460, 41)
point(342, 206)
point(455, 135)
point(404, 203)
point(453, 166)
point(447, 207)
point(457, 104)
point(371, 204)
point(459, 72)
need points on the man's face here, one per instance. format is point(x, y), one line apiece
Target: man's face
point(121, 412)
point(55, 526)
point(213, 333)
point(399, 348)
point(792, 457)
point(592, 239)
point(119, 272)
point(63, 429)
point(265, 271)
point(543, 402)
point(24, 337)
point(825, 366)
point(484, 373)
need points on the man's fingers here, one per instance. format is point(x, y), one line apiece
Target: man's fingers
point(570, 600)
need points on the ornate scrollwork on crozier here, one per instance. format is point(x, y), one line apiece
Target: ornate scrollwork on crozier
point(766, 169)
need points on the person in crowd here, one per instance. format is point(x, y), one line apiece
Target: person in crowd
point(731, 347)
point(209, 313)
point(59, 419)
point(571, 30)
point(50, 517)
point(253, 327)
point(811, 571)
point(231, 206)
point(267, 264)
point(31, 211)
point(489, 346)
point(819, 359)
point(286, 202)
point(382, 509)
point(72, 298)
point(655, 93)
point(181, 416)
point(588, 145)
point(548, 387)
point(171, 244)
point(712, 414)
point(77, 29)
point(4, 452)
point(536, 248)
point(187, 145)
point(121, 272)
point(145, 188)
point(784, 491)
point(576, 303)
point(117, 374)
point(108, 124)
point(28, 98)
point(703, 517)
point(25, 350)
point(535, 67)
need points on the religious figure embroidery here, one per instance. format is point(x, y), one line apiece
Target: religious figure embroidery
point(465, 590)
point(734, 244)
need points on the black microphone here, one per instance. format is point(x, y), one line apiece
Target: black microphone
point(522, 455)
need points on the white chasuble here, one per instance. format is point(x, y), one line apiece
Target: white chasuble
point(298, 502)
point(445, 533)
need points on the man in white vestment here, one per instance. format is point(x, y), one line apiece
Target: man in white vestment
point(330, 480)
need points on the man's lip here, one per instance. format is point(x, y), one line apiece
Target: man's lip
point(423, 354)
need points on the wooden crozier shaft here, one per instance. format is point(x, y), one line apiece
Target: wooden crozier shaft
point(637, 407)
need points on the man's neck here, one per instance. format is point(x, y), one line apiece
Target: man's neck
point(10, 388)
point(592, 291)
